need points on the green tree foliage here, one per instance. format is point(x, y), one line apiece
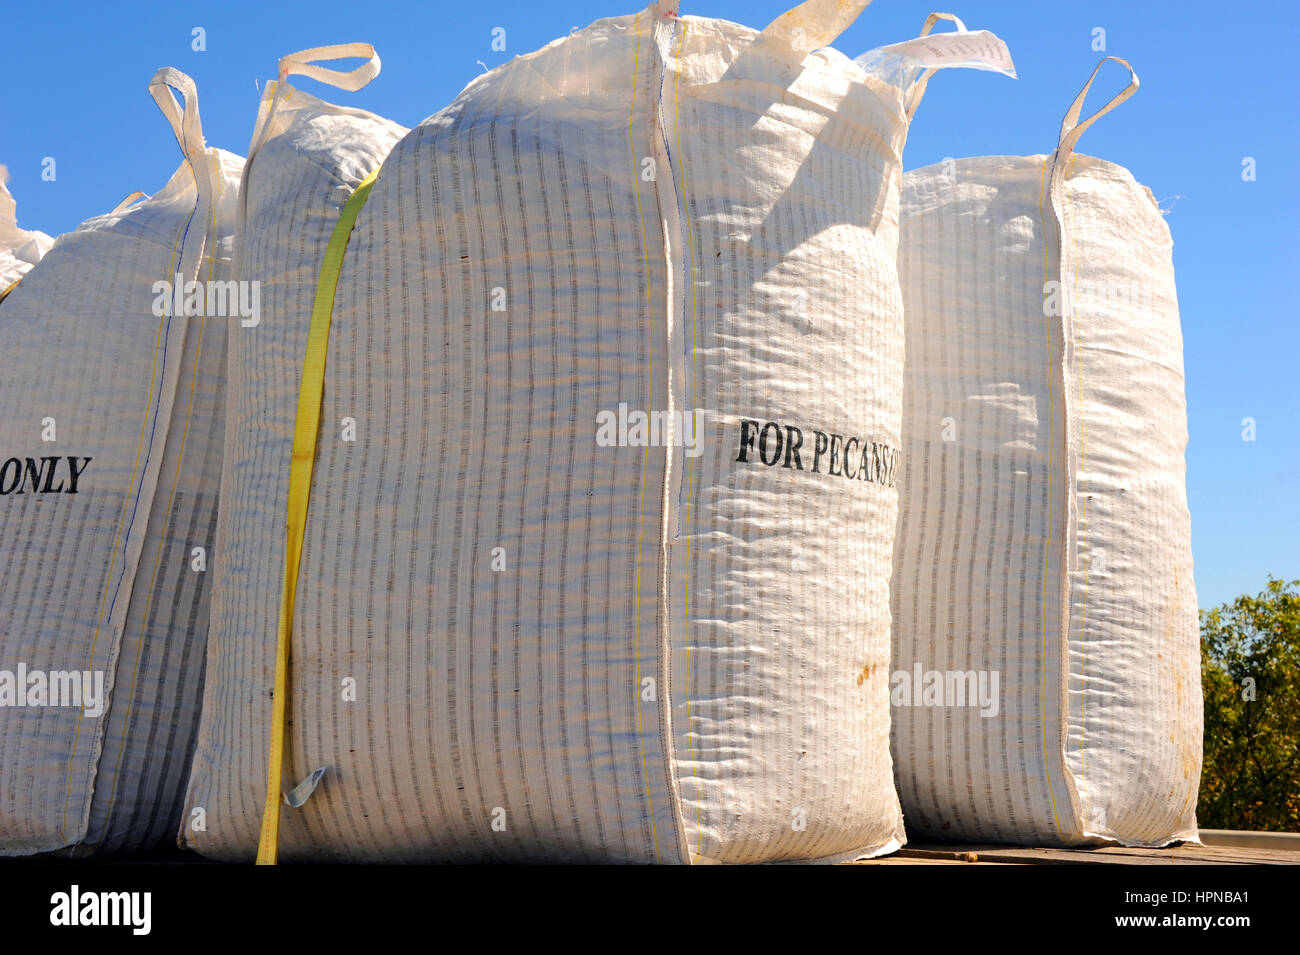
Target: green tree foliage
point(1250, 672)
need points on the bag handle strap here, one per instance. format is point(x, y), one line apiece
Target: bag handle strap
point(138, 194)
point(813, 24)
point(1071, 128)
point(183, 116)
point(935, 17)
point(917, 91)
point(302, 64)
point(8, 207)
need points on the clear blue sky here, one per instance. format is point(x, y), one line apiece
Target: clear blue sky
point(1219, 83)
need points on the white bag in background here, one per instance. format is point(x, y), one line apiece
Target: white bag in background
point(105, 576)
point(20, 249)
point(306, 158)
point(1046, 652)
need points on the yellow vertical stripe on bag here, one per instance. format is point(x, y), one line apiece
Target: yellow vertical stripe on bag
point(640, 526)
point(1044, 190)
point(305, 429)
point(695, 382)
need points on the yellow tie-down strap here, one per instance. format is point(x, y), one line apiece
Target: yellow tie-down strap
point(305, 429)
point(5, 292)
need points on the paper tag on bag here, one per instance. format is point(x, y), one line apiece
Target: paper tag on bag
point(902, 63)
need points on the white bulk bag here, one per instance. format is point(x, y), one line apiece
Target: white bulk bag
point(20, 249)
point(114, 396)
point(1044, 538)
point(584, 576)
point(306, 158)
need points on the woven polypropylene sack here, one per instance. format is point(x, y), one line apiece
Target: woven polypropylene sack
point(106, 575)
point(524, 628)
point(1044, 538)
point(306, 158)
point(20, 249)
